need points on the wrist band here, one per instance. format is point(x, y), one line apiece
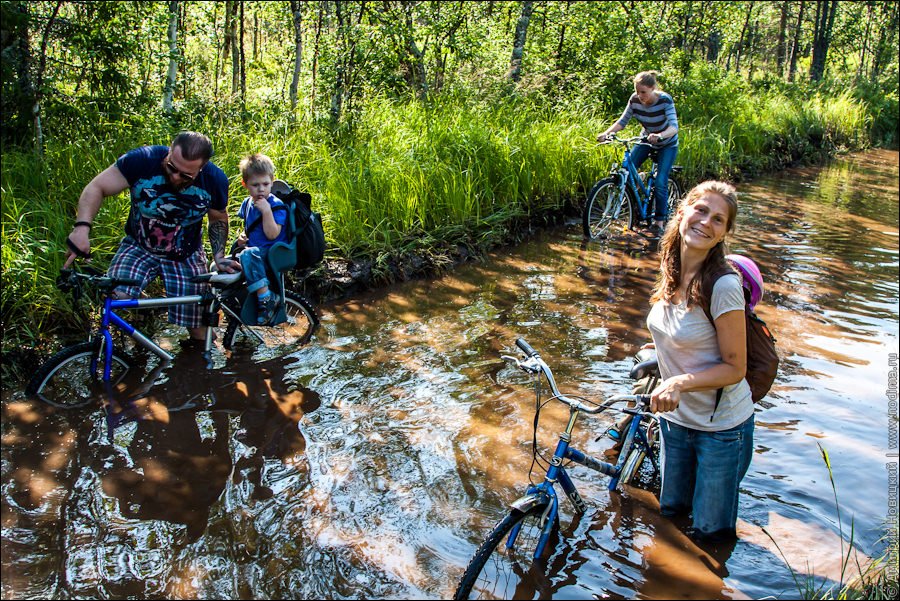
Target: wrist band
point(87, 223)
point(77, 251)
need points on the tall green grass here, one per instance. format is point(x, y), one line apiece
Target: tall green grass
point(410, 177)
point(876, 579)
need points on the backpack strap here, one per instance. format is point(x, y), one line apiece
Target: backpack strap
point(258, 220)
point(707, 309)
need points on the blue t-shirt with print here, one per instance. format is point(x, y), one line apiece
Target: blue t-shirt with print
point(163, 220)
point(256, 236)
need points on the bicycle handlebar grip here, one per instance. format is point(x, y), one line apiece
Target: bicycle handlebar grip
point(525, 347)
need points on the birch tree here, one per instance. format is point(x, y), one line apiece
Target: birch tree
point(173, 56)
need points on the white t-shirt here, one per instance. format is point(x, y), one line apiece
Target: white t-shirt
point(686, 343)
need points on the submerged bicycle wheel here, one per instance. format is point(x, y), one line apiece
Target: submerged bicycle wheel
point(498, 572)
point(608, 210)
point(298, 329)
point(68, 380)
point(632, 466)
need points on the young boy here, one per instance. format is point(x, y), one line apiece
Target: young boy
point(263, 227)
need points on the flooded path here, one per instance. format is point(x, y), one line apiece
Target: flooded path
point(371, 463)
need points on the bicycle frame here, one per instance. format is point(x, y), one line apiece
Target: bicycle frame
point(109, 317)
point(633, 179)
point(545, 492)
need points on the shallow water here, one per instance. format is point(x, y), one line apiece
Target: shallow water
point(370, 463)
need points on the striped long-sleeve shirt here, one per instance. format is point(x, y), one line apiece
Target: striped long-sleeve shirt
point(654, 118)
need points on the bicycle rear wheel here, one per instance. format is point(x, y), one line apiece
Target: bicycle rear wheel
point(675, 191)
point(608, 210)
point(301, 324)
point(68, 380)
point(497, 572)
point(632, 466)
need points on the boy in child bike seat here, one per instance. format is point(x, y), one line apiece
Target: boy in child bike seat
point(263, 227)
point(172, 188)
point(655, 111)
point(706, 448)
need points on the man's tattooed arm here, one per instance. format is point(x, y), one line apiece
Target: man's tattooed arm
point(218, 239)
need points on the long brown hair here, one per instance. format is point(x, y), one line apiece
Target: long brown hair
point(669, 277)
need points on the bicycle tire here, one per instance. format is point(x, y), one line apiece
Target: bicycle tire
point(66, 380)
point(509, 567)
point(637, 454)
point(299, 328)
point(606, 209)
point(675, 192)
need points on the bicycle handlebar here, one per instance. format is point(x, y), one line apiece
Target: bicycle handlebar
point(534, 364)
point(70, 280)
point(637, 140)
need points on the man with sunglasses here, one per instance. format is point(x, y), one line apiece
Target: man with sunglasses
point(172, 189)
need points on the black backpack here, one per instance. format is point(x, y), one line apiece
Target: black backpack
point(306, 237)
point(762, 359)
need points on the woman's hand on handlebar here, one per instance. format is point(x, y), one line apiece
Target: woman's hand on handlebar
point(666, 396)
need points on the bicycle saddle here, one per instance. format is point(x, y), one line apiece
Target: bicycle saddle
point(645, 368)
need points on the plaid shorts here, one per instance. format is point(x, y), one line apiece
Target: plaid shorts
point(133, 262)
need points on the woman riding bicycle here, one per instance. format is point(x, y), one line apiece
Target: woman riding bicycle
point(655, 111)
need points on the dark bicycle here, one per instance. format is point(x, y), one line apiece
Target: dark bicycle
point(624, 199)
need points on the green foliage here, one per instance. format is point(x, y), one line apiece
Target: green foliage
point(399, 169)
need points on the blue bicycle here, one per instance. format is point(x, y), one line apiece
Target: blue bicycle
point(74, 376)
point(501, 565)
point(624, 199)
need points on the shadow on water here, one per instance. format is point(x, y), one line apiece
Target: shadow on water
point(372, 462)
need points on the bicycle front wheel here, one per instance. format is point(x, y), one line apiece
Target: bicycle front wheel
point(72, 378)
point(637, 454)
point(608, 210)
point(498, 572)
point(301, 324)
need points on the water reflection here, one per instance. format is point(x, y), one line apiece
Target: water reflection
point(241, 481)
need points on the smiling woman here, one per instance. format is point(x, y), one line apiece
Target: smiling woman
point(707, 439)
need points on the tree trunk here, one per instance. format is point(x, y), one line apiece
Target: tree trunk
point(419, 77)
point(884, 48)
point(243, 66)
point(795, 47)
point(235, 51)
point(173, 57)
point(256, 33)
point(780, 44)
point(315, 60)
point(515, 63)
point(296, 11)
point(39, 82)
point(337, 95)
point(216, 44)
point(740, 46)
point(822, 37)
point(864, 48)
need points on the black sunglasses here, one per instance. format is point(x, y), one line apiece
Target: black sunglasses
point(173, 171)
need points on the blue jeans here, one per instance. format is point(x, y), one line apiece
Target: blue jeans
point(664, 161)
point(253, 263)
point(702, 472)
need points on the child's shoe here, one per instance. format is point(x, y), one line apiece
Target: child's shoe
point(268, 307)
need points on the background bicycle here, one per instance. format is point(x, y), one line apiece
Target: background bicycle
point(624, 199)
point(74, 376)
point(502, 566)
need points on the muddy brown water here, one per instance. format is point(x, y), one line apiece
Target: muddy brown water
point(370, 463)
